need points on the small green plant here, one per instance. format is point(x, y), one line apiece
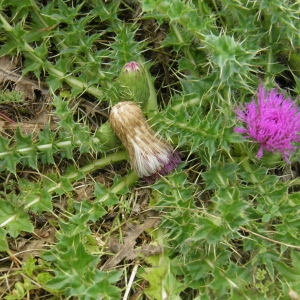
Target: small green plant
point(10, 96)
point(77, 222)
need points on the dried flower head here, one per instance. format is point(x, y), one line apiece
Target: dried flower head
point(273, 121)
point(150, 156)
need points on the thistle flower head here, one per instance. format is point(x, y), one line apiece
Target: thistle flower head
point(150, 156)
point(273, 121)
point(134, 82)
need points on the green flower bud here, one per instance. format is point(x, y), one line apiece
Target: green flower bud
point(107, 137)
point(134, 83)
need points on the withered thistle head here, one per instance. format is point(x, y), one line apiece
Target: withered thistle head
point(150, 155)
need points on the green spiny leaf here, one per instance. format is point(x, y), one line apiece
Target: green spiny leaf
point(76, 266)
point(229, 55)
point(105, 196)
point(106, 11)
point(29, 158)
point(219, 175)
point(14, 219)
point(47, 137)
point(162, 282)
point(8, 156)
point(93, 211)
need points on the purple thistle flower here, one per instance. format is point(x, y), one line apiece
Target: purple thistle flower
point(272, 121)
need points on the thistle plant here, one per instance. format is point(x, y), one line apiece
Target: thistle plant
point(94, 201)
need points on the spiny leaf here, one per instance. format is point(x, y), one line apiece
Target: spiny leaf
point(218, 175)
point(8, 157)
point(162, 282)
point(14, 219)
point(64, 13)
point(106, 11)
point(76, 266)
point(229, 55)
point(105, 196)
point(29, 158)
point(46, 136)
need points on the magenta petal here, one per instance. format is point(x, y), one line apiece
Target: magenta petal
point(240, 130)
point(260, 152)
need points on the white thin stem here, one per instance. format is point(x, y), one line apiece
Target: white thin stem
point(270, 240)
point(130, 282)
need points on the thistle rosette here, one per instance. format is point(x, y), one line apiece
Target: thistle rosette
point(150, 155)
point(134, 83)
point(273, 121)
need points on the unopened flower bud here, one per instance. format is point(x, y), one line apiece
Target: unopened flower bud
point(134, 83)
point(107, 137)
point(150, 155)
